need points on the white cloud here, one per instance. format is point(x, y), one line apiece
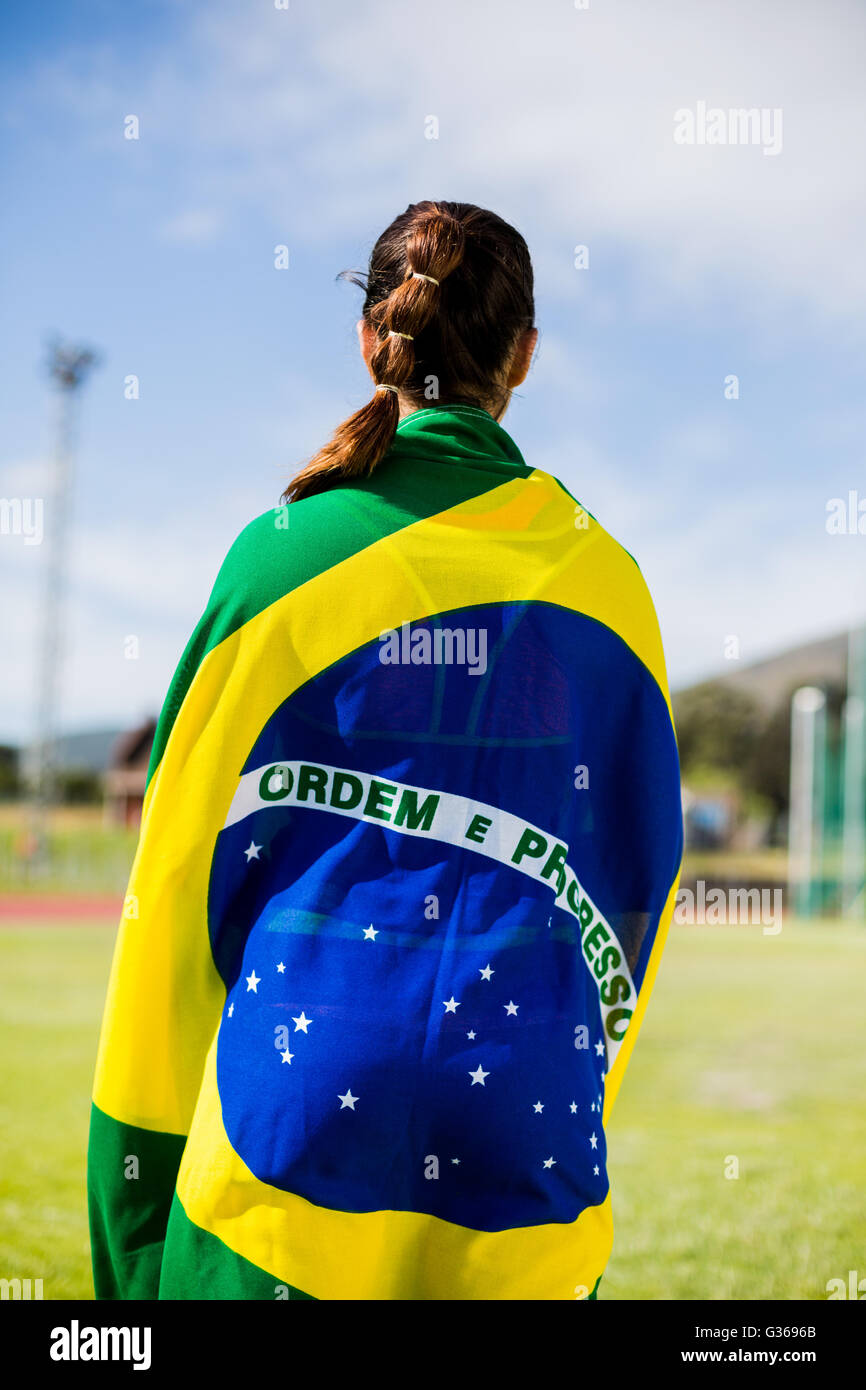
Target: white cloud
point(561, 118)
point(26, 478)
point(765, 571)
point(194, 227)
point(568, 116)
point(150, 583)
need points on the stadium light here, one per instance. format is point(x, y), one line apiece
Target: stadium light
point(68, 367)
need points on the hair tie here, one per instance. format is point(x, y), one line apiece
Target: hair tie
point(395, 333)
point(380, 386)
point(418, 276)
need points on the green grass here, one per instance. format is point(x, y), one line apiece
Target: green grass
point(743, 866)
point(753, 1047)
point(84, 856)
point(53, 990)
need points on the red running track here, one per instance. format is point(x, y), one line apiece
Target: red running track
point(46, 907)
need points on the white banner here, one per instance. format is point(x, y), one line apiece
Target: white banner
point(471, 825)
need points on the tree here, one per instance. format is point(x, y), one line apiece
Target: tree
point(717, 727)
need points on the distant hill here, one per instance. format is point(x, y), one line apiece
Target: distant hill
point(771, 681)
point(89, 751)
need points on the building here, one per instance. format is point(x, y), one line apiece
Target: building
point(126, 776)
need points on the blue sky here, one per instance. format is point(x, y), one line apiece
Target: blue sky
point(306, 127)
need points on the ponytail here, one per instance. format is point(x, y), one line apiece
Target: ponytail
point(410, 261)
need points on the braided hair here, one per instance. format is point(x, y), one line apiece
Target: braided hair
point(449, 291)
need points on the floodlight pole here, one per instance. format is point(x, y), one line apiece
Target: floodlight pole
point(68, 368)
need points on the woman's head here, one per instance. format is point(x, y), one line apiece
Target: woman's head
point(447, 319)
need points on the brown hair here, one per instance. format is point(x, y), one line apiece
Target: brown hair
point(448, 341)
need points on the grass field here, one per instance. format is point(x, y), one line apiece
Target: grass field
point(86, 854)
point(753, 1048)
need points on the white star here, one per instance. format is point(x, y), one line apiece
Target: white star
point(253, 982)
point(281, 969)
point(231, 1009)
point(348, 1100)
point(455, 1160)
point(511, 1008)
point(595, 1170)
point(592, 1107)
point(538, 1107)
point(253, 851)
point(602, 1078)
point(573, 1108)
point(371, 932)
point(287, 1056)
point(478, 1076)
point(451, 1005)
point(599, 1049)
point(486, 972)
point(471, 1035)
point(302, 1023)
point(593, 1139)
point(549, 1162)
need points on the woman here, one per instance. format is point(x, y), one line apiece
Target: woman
point(408, 855)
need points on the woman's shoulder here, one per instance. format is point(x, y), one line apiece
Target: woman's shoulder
point(284, 547)
point(586, 522)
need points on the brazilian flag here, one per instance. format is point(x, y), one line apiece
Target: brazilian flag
point(408, 856)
